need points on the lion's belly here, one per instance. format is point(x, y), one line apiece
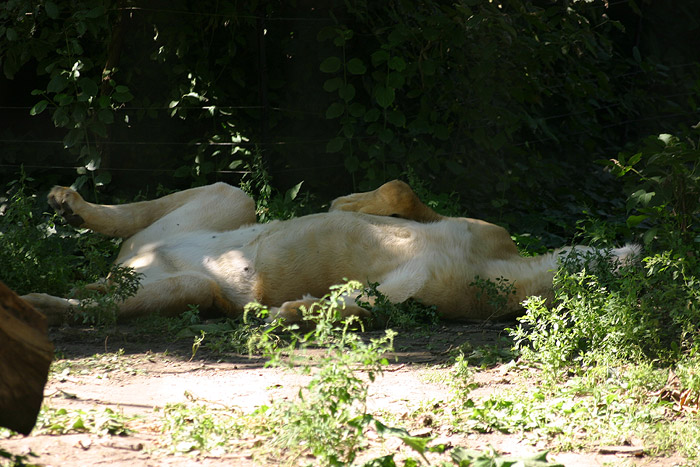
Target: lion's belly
point(308, 255)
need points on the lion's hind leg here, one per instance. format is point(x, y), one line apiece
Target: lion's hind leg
point(169, 295)
point(56, 309)
point(213, 207)
point(394, 198)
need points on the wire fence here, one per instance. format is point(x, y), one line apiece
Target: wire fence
point(295, 141)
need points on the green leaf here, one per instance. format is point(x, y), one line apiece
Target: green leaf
point(60, 117)
point(64, 100)
point(326, 33)
point(357, 110)
point(441, 132)
point(335, 110)
point(11, 34)
point(642, 197)
point(39, 107)
point(74, 136)
point(417, 444)
point(379, 57)
point(95, 12)
point(356, 66)
point(335, 145)
point(88, 86)
point(79, 113)
point(372, 115)
point(347, 92)
point(384, 461)
point(57, 84)
point(52, 10)
point(348, 131)
point(352, 163)
point(103, 178)
point(397, 63)
point(396, 117)
point(649, 235)
point(99, 128)
point(395, 79)
point(386, 135)
point(634, 221)
point(105, 116)
point(332, 84)
point(293, 192)
point(122, 97)
point(104, 102)
point(330, 65)
point(385, 96)
point(636, 55)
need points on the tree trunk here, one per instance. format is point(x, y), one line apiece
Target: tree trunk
point(25, 356)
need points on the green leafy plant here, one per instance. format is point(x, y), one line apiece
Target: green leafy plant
point(663, 180)
point(494, 294)
point(491, 458)
point(62, 421)
point(271, 204)
point(193, 427)
point(641, 311)
point(80, 92)
point(41, 254)
point(386, 314)
point(7, 459)
point(100, 305)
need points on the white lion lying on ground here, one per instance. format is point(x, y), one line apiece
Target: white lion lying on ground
point(202, 247)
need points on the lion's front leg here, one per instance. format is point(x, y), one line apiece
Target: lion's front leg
point(301, 311)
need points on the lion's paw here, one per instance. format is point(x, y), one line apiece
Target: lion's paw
point(353, 202)
point(65, 201)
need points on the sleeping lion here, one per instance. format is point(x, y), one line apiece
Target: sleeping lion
point(202, 247)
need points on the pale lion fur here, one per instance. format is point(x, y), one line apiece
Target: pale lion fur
point(201, 247)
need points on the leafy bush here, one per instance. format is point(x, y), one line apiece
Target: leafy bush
point(385, 314)
point(647, 311)
point(663, 180)
point(40, 254)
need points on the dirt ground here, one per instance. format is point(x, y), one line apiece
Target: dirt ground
point(137, 376)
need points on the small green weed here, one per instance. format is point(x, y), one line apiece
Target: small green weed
point(663, 182)
point(169, 326)
point(99, 365)
point(486, 355)
point(491, 458)
point(493, 294)
point(7, 459)
point(62, 421)
point(100, 307)
point(194, 427)
point(221, 337)
point(271, 204)
point(386, 314)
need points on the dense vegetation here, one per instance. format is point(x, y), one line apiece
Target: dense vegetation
point(508, 104)
point(560, 120)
